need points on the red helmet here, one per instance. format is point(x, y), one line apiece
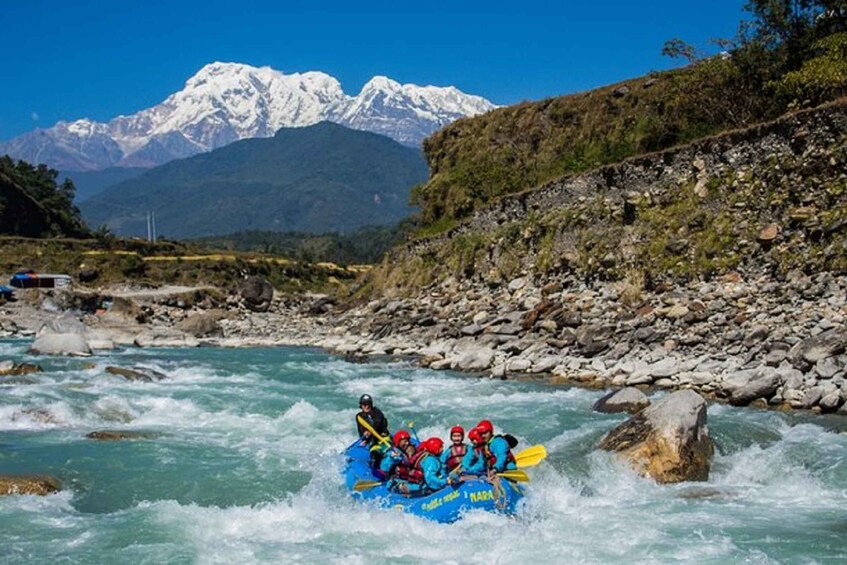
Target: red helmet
point(485, 426)
point(457, 430)
point(474, 436)
point(434, 445)
point(401, 435)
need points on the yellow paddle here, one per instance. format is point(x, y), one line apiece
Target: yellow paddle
point(516, 475)
point(365, 485)
point(531, 456)
point(373, 432)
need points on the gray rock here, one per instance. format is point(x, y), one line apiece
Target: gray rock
point(627, 399)
point(830, 402)
point(755, 335)
point(474, 360)
point(200, 325)
point(646, 335)
point(518, 365)
point(472, 330)
point(517, 284)
point(775, 357)
point(827, 368)
point(61, 344)
point(257, 294)
point(762, 387)
point(811, 350)
point(667, 367)
point(812, 396)
point(737, 380)
point(62, 325)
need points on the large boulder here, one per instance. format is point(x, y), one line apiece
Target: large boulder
point(61, 336)
point(473, 359)
point(668, 441)
point(200, 325)
point(762, 387)
point(62, 325)
point(39, 485)
point(628, 399)
point(809, 351)
point(61, 344)
point(257, 294)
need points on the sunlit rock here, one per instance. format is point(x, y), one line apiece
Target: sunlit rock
point(668, 441)
point(38, 485)
point(627, 399)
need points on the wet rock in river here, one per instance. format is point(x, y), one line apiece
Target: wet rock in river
point(668, 441)
point(137, 374)
point(118, 435)
point(9, 368)
point(37, 485)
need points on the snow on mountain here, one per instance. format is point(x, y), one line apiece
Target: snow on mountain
point(225, 102)
point(407, 113)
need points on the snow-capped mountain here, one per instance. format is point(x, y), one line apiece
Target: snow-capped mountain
point(225, 102)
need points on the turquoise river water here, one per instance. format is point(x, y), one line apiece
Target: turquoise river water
point(246, 469)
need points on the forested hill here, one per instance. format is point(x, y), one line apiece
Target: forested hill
point(316, 179)
point(33, 205)
point(788, 55)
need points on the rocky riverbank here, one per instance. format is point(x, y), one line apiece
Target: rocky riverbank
point(758, 340)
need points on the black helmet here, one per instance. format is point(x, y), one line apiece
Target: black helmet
point(366, 400)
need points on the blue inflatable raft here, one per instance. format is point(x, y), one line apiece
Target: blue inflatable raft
point(445, 505)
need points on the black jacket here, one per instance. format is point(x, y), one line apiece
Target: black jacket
point(376, 419)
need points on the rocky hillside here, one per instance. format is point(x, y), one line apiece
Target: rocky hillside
point(768, 199)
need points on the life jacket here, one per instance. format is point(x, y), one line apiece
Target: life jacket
point(416, 474)
point(491, 459)
point(457, 452)
point(403, 467)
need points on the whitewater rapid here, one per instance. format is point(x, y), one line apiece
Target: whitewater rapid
point(245, 468)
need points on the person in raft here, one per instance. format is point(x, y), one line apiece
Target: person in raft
point(373, 416)
point(497, 450)
point(451, 458)
point(397, 459)
point(426, 474)
point(474, 460)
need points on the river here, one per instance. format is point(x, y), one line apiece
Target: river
point(246, 469)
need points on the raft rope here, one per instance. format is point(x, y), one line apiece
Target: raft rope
point(500, 498)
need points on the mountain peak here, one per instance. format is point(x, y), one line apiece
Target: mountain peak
point(224, 102)
point(381, 83)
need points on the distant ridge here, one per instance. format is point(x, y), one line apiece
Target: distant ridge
point(316, 179)
point(226, 102)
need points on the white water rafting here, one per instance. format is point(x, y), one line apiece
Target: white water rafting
point(424, 478)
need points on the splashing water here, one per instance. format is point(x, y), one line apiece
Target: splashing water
point(244, 467)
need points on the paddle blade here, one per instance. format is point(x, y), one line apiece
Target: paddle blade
point(531, 456)
point(516, 475)
point(373, 432)
point(365, 485)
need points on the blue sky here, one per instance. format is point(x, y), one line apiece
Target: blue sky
point(67, 59)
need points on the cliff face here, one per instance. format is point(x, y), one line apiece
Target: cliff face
point(770, 198)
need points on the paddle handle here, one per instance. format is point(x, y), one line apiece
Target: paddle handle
point(373, 432)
